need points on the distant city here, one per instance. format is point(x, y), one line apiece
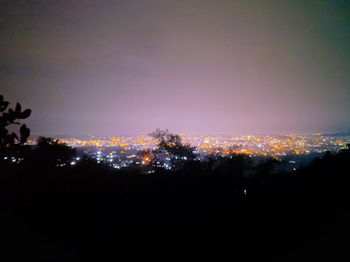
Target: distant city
point(295, 149)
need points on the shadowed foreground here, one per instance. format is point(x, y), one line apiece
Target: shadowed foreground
point(92, 212)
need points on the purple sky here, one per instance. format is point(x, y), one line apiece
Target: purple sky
point(128, 67)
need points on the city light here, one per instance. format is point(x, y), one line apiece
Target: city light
point(121, 152)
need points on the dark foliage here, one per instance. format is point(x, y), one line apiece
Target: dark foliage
point(11, 117)
point(171, 145)
point(258, 211)
point(51, 152)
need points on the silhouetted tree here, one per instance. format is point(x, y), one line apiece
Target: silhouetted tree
point(11, 117)
point(54, 152)
point(172, 145)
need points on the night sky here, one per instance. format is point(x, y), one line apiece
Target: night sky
point(128, 67)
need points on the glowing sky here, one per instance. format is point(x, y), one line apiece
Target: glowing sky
point(128, 67)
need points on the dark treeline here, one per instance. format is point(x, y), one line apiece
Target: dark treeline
point(90, 211)
point(229, 194)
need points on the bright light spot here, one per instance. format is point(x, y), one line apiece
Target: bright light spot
point(147, 158)
point(72, 163)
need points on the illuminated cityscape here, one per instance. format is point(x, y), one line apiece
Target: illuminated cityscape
point(270, 145)
point(121, 152)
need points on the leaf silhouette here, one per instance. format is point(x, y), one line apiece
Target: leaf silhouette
point(26, 113)
point(25, 132)
point(14, 135)
point(3, 105)
point(18, 108)
point(11, 115)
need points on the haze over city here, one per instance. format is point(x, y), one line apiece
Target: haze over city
point(128, 67)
